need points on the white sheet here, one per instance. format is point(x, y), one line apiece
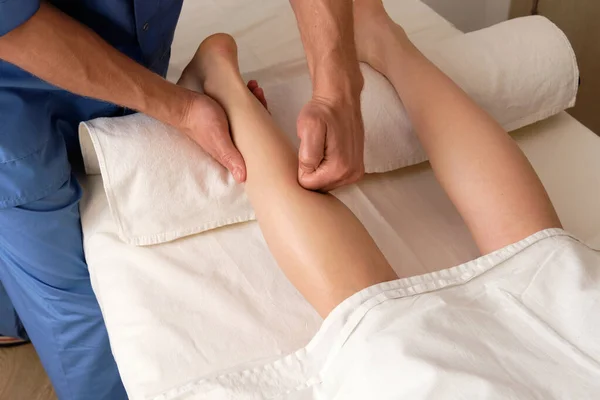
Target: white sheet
point(519, 323)
point(226, 301)
point(406, 212)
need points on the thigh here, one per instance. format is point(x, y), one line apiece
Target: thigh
point(43, 269)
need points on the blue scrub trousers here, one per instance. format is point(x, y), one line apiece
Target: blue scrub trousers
point(45, 281)
point(45, 289)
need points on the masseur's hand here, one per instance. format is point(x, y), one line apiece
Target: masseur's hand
point(330, 126)
point(205, 122)
point(331, 131)
point(73, 57)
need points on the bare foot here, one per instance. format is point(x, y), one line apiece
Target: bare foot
point(375, 33)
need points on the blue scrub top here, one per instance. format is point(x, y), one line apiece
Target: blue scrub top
point(38, 121)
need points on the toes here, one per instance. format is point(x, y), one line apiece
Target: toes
point(252, 85)
point(258, 92)
point(260, 95)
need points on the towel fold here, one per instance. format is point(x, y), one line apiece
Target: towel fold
point(161, 186)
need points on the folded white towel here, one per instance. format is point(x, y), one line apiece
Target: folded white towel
point(161, 186)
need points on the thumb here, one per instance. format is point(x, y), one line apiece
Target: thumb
point(224, 151)
point(207, 125)
point(230, 157)
point(234, 162)
point(312, 130)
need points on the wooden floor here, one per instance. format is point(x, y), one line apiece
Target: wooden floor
point(22, 377)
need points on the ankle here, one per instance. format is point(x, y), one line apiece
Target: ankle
point(224, 83)
point(398, 48)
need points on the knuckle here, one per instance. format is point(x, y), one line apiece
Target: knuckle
point(350, 172)
point(360, 171)
point(357, 175)
point(343, 169)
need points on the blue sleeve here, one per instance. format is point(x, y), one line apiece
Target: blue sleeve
point(13, 13)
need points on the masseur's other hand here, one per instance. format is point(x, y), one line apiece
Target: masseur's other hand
point(206, 123)
point(331, 131)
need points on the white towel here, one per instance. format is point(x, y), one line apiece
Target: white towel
point(161, 186)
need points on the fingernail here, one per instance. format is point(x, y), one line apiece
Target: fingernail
point(237, 174)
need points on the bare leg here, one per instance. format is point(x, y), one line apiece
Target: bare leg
point(484, 172)
point(319, 244)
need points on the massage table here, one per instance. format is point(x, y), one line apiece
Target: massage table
point(174, 316)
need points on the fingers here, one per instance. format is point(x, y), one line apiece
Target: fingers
point(321, 179)
point(260, 95)
point(312, 131)
point(315, 172)
point(209, 128)
point(332, 144)
point(318, 180)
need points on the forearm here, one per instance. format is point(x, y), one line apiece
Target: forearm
point(481, 168)
point(327, 31)
point(65, 53)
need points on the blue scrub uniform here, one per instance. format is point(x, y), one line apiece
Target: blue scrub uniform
point(44, 281)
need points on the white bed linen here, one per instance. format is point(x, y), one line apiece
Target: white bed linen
point(226, 302)
point(519, 323)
